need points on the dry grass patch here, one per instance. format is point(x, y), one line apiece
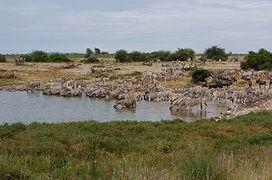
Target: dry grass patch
point(186, 83)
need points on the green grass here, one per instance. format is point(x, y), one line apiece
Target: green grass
point(228, 149)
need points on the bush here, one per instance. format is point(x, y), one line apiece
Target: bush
point(2, 58)
point(137, 56)
point(173, 57)
point(39, 56)
point(215, 53)
point(159, 55)
point(92, 59)
point(58, 58)
point(121, 56)
point(182, 55)
point(27, 58)
point(185, 54)
point(258, 60)
point(200, 75)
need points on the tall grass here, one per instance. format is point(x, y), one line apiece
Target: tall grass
point(202, 166)
point(228, 149)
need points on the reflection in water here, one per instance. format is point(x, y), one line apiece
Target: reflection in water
point(28, 107)
point(212, 110)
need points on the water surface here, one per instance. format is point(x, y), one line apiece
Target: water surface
point(29, 107)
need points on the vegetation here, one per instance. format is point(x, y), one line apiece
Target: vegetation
point(58, 58)
point(215, 53)
point(89, 52)
point(2, 58)
point(5, 74)
point(121, 56)
point(41, 56)
point(258, 60)
point(92, 59)
point(238, 148)
point(200, 75)
point(159, 55)
point(182, 55)
point(97, 51)
point(137, 56)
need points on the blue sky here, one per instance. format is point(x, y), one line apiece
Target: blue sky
point(144, 25)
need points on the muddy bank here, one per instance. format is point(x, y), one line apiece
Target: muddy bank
point(13, 88)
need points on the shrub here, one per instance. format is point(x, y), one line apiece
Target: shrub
point(39, 56)
point(199, 75)
point(27, 58)
point(92, 59)
point(258, 60)
point(159, 55)
point(2, 58)
point(172, 57)
point(121, 56)
point(137, 56)
point(185, 54)
point(215, 53)
point(58, 58)
point(182, 55)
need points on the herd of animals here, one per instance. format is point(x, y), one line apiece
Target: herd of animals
point(148, 86)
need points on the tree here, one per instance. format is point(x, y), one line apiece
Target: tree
point(173, 57)
point(58, 58)
point(89, 52)
point(216, 53)
point(185, 54)
point(159, 55)
point(200, 75)
point(97, 51)
point(182, 55)
point(258, 60)
point(190, 53)
point(2, 58)
point(121, 55)
point(136, 56)
point(39, 56)
point(104, 53)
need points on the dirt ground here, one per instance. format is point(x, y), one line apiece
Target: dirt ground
point(46, 71)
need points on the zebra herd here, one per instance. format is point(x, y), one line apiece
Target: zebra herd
point(148, 86)
point(179, 98)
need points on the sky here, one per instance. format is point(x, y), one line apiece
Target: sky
point(238, 26)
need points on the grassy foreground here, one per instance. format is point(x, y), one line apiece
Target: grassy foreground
point(240, 148)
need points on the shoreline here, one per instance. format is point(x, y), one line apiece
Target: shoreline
point(79, 92)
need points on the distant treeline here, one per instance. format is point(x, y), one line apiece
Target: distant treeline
point(40, 56)
point(182, 54)
point(2, 58)
point(253, 60)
